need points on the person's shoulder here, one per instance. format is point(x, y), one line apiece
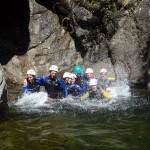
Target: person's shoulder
point(58, 79)
point(41, 78)
point(83, 75)
point(76, 85)
point(98, 80)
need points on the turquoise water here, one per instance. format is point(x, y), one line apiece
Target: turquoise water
point(122, 125)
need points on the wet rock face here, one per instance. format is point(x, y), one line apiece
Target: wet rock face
point(130, 43)
point(142, 15)
point(124, 47)
point(3, 94)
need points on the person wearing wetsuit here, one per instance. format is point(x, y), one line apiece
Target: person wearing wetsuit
point(94, 92)
point(103, 81)
point(73, 88)
point(88, 77)
point(54, 86)
point(67, 78)
point(31, 83)
point(79, 79)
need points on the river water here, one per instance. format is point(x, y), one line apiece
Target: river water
point(123, 123)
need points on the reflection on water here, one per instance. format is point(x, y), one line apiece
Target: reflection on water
point(122, 123)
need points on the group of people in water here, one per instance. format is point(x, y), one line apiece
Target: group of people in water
point(75, 83)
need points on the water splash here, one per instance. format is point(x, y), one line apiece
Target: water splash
point(37, 103)
point(32, 100)
point(121, 87)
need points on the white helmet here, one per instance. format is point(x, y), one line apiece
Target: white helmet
point(73, 75)
point(31, 72)
point(89, 70)
point(53, 68)
point(93, 82)
point(67, 75)
point(103, 70)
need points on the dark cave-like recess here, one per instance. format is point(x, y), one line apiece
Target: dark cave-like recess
point(14, 33)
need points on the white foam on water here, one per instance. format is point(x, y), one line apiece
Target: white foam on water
point(36, 102)
point(120, 91)
point(32, 100)
point(121, 87)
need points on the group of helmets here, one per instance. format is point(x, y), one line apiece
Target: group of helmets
point(90, 70)
point(52, 68)
point(76, 70)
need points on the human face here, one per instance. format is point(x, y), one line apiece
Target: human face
point(53, 74)
point(89, 75)
point(73, 80)
point(94, 88)
point(30, 78)
point(68, 80)
point(103, 76)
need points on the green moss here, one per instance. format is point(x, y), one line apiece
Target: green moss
point(104, 6)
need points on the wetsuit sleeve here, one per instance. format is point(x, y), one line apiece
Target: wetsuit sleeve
point(111, 78)
point(77, 88)
point(85, 96)
point(41, 80)
point(63, 86)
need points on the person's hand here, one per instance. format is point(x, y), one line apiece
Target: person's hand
point(50, 100)
point(24, 82)
point(108, 89)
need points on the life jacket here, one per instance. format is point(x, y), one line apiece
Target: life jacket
point(33, 86)
point(53, 88)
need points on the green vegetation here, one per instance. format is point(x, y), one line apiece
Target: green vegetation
point(103, 6)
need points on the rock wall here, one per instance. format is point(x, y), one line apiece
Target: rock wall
point(130, 43)
point(49, 44)
point(3, 94)
point(91, 33)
